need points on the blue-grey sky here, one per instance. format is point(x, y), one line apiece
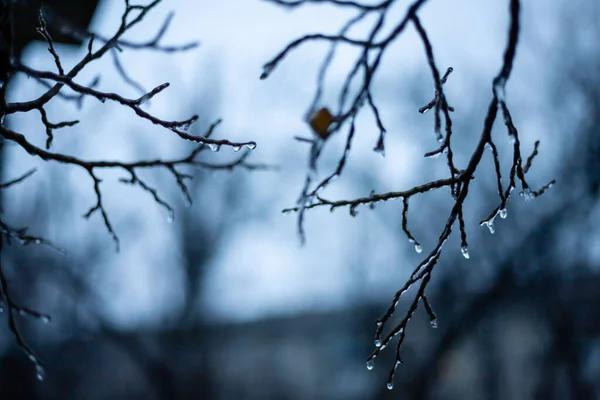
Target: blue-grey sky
point(261, 269)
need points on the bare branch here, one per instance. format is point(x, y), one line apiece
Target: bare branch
point(63, 80)
point(18, 180)
point(459, 179)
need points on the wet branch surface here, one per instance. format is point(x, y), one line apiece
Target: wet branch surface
point(458, 180)
point(56, 82)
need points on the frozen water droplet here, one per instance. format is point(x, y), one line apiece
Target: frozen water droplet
point(380, 147)
point(527, 194)
point(251, 145)
point(185, 125)
point(434, 323)
point(490, 225)
point(236, 148)
point(370, 365)
point(390, 385)
point(418, 248)
point(377, 343)
point(465, 252)
point(503, 213)
point(40, 373)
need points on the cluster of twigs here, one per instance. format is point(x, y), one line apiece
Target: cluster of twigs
point(458, 180)
point(56, 82)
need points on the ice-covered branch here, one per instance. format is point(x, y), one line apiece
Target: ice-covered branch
point(325, 123)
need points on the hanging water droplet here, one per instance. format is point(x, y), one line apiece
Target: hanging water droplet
point(418, 247)
point(37, 241)
point(251, 145)
point(527, 194)
point(434, 323)
point(503, 213)
point(390, 385)
point(377, 343)
point(185, 125)
point(433, 156)
point(170, 216)
point(40, 373)
point(236, 148)
point(353, 211)
point(45, 319)
point(370, 365)
point(512, 139)
point(379, 323)
point(465, 252)
point(490, 225)
point(380, 147)
point(214, 147)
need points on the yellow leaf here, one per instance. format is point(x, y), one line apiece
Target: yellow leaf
point(321, 121)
